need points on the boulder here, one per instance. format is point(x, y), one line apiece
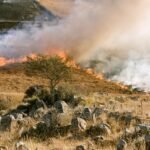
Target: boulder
point(21, 146)
point(98, 139)
point(6, 122)
point(114, 115)
point(87, 114)
point(80, 147)
point(39, 113)
point(78, 124)
point(18, 116)
point(50, 119)
point(105, 128)
point(64, 119)
point(127, 119)
point(98, 130)
point(38, 108)
point(61, 107)
point(143, 128)
point(121, 145)
point(97, 112)
point(40, 104)
point(147, 142)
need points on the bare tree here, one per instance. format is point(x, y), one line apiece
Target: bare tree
point(53, 68)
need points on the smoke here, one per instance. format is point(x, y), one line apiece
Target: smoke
point(116, 33)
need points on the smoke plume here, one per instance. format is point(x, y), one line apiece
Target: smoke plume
point(115, 33)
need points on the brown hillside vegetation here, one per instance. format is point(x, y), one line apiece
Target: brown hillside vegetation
point(118, 108)
point(14, 79)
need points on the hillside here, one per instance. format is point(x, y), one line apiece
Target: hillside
point(38, 125)
point(17, 12)
point(13, 78)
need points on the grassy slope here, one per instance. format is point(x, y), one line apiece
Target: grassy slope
point(13, 79)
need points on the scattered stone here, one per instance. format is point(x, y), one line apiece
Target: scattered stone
point(21, 146)
point(98, 139)
point(64, 119)
point(80, 147)
point(40, 104)
point(79, 124)
point(127, 118)
point(50, 119)
point(23, 108)
point(97, 111)
point(143, 128)
point(147, 142)
point(121, 145)
point(18, 116)
point(106, 128)
point(87, 114)
point(39, 113)
point(61, 106)
point(100, 129)
point(6, 122)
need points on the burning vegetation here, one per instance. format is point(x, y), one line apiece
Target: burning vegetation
point(63, 75)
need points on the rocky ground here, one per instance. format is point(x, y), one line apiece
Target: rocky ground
point(88, 113)
point(76, 121)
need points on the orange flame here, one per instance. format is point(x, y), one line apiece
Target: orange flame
point(5, 61)
point(92, 72)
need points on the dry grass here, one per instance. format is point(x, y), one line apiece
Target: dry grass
point(94, 92)
point(13, 78)
point(10, 100)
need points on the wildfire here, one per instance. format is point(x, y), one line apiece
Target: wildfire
point(70, 62)
point(92, 72)
point(5, 61)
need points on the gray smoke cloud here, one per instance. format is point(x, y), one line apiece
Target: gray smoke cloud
point(116, 33)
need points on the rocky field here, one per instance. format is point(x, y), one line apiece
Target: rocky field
point(88, 113)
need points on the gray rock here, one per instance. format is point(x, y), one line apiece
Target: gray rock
point(40, 104)
point(21, 146)
point(121, 145)
point(106, 128)
point(143, 128)
point(100, 129)
point(79, 124)
point(18, 116)
point(97, 111)
point(39, 113)
point(80, 147)
point(87, 114)
point(61, 106)
point(38, 108)
point(64, 119)
point(50, 119)
point(6, 122)
point(98, 139)
point(147, 142)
